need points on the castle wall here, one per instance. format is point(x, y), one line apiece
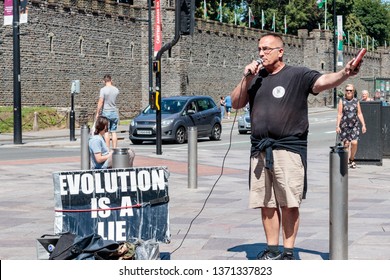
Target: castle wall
point(67, 40)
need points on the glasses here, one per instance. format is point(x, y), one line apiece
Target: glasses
point(267, 50)
point(349, 90)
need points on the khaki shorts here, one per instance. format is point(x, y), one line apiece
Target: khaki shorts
point(280, 186)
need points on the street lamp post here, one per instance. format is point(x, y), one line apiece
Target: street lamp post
point(16, 58)
point(334, 52)
point(150, 48)
point(157, 69)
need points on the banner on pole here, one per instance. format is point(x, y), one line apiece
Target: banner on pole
point(340, 41)
point(157, 28)
point(8, 12)
point(23, 11)
point(117, 204)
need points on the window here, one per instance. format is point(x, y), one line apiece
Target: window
point(191, 107)
point(108, 43)
point(81, 45)
point(51, 42)
point(204, 104)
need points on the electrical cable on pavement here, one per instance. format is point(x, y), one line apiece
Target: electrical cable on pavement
point(215, 183)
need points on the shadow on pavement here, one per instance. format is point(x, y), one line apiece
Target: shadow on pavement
point(252, 250)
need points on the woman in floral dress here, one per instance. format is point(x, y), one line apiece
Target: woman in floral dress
point(349, 115)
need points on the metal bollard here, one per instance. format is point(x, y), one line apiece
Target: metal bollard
point(338, 203)
point(35, 124)
point(84, 147)
point(72, 119)
point(192, 157)
point(120, 158)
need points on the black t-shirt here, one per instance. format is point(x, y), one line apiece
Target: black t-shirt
point(278, 102)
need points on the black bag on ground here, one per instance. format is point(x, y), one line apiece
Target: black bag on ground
point(90, 247)
point(45, 245)
point(63, 248)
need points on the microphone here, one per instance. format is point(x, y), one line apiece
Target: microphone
point(259, 61)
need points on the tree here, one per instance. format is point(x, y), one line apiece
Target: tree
point(300, 15)
point(364, 17)
point(375, 19)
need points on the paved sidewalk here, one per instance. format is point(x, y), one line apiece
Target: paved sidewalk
point(212, 222)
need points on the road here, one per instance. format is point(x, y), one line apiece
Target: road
point(321, 134)
point(225, 227)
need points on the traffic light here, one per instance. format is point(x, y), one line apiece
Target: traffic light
point(152, 100)
point(156, 66)
point(155, 100)
point(187, 17)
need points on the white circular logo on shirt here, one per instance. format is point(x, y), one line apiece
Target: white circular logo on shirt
point(278, 92)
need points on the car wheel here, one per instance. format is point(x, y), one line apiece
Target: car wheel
point(136, 142)
point(216, 132)
point(180, 136)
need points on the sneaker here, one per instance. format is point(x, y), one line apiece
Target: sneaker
point(353, 165)
point(287, 256)
point(268, 255)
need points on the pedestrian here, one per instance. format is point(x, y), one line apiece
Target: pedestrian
point(222, 107)
point(378, 97)
point(348, 117)
point(101, 156)
point(228, 105)
point(365, 95)
point(107, 107)
point(277, 94)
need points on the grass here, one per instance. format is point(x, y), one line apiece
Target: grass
point(47, 117)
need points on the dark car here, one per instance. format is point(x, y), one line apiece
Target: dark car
point(177, 114)
point(244, 123)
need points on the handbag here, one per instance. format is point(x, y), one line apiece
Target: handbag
point(90, 247)
point(45, 245)
point(64, 249)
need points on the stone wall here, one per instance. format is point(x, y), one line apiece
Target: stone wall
point(67, 40)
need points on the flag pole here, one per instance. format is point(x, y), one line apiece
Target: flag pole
point(285, 25)
point(220, 5)
point(262, 19)
point(334, 53)
point(204, 9)
point(273, 22)
point(326, 28)
point(249, 17)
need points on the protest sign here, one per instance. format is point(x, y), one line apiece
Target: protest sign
point(118, 204)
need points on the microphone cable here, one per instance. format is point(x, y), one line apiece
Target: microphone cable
point(219, 177)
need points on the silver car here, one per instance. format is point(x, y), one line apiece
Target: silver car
point(244, 123)
point(177, 114)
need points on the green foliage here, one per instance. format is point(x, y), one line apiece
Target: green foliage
point(364, 17)
point(47, 118)
point(299, 15)
point(375, 19)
